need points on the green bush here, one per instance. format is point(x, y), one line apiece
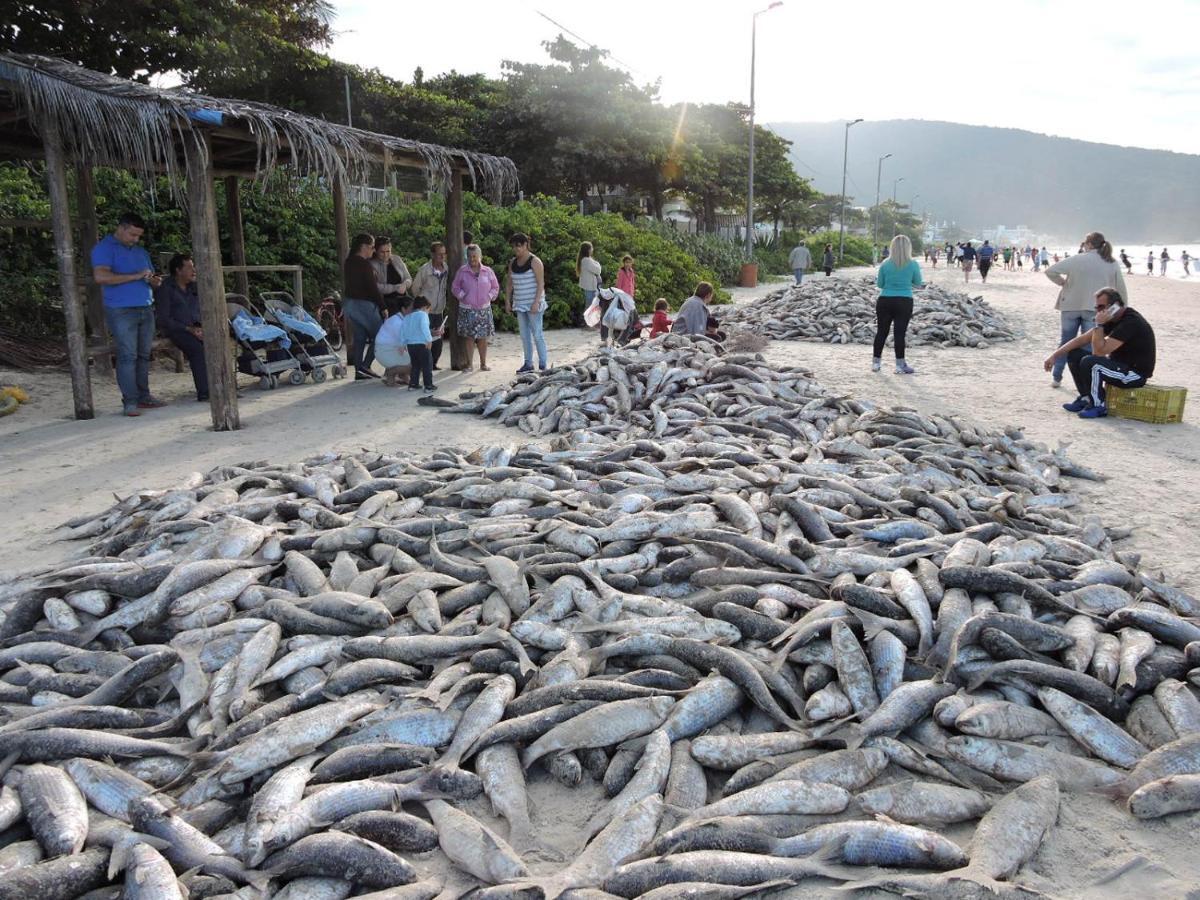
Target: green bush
point(858, 249)
point(719, 254)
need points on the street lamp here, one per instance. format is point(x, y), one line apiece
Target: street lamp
point(750, 182)
point(913, 201)
point(895, 184)
point(842, 214)
point(875, 214)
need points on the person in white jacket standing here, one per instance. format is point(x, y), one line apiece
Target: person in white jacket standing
point(800, 261)
point(1080, 276)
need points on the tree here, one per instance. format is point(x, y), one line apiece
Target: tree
point(141, 40)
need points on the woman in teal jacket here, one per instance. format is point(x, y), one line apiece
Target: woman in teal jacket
point(897, 277)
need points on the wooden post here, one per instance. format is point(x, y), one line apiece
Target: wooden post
point(237, 235)
point(341, 233)
point(64, 251)
point(206, 251)
point(454, 251)
point(89, 236)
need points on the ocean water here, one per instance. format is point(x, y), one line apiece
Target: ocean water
point(1137, 256)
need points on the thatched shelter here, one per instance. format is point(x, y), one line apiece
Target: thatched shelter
point(70, 116)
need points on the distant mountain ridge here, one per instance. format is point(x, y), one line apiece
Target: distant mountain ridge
point(981, 176)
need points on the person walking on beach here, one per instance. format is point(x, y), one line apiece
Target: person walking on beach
point(987, 253)
point(525, 294)
point(361, 305)
point(1126, 262)
point(1080, 276)
point(1119, 350)
point(1150, 263)
point(1186, 260)
point(897, 277)
point(1164, 258)
point(799, 261)
point(125, 273)
point(475, 286)
point(969, 255)
point(827, 260)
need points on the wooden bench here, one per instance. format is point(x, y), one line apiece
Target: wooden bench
point(103, 356)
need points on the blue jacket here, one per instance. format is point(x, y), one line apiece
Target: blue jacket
point(415, 329)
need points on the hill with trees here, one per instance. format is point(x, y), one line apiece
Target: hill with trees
point(981, 176)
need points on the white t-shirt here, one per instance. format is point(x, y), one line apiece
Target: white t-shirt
point(389, 331)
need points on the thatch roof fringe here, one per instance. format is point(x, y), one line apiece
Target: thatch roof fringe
point(109, 121)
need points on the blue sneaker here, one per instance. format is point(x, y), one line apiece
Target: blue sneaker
point(528, 367)
point(1094, 412)
point(1078, 405)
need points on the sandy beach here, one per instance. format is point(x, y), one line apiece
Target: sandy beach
point(56, 468)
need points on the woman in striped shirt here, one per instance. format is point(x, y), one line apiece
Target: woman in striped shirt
point(525, 294)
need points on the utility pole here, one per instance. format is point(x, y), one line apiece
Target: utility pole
point(750, 183)
point(842, 214)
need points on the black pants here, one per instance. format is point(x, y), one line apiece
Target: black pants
point(894, 313)
point(193, 349)
point(1091, 373)
point(984, 265)
point(435, 322)
point(422, 364)
point(604, 305)
point(828, 271)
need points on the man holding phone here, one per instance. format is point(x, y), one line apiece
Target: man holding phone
point(123, 269)
point(1119, 350)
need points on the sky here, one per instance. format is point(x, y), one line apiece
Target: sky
point(1112, 72)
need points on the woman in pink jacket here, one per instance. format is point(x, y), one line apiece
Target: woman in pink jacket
point(476, 287)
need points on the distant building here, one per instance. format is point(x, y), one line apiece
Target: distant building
point(1002, 235)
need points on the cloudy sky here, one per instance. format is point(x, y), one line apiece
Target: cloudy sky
point(1113, 72)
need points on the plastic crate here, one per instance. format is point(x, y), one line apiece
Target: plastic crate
point(1153, 403)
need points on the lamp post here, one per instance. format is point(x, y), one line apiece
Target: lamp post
point(842, 214)
point(875, 214)
point(750, 180)
point(895, 184)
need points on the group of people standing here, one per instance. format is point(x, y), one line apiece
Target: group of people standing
point(401, 319)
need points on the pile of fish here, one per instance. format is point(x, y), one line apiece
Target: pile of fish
point(732, 635)
point(842, 311)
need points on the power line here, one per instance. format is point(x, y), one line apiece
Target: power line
point(584, 40)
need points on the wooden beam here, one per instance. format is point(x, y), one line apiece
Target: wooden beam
point(459, 353)
point(64, 251)
point(237, 237)
point(341, 231)
point(89, 236)
point(206, 251)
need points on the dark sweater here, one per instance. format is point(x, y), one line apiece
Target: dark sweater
point(358, 280)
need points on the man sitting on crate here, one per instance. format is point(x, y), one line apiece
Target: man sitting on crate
point(1119, 350)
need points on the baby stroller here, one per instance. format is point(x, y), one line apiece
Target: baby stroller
point(310, 344)
point(263, 347)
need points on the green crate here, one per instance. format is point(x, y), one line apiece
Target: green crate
point(1153, 403)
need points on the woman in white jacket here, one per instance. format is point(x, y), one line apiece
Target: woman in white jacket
point(1080, 277)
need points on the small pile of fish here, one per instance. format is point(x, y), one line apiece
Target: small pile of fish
point(842, 311)
point(763, 633)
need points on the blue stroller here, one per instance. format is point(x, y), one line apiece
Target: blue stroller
point(309, 342)
point(263, 348)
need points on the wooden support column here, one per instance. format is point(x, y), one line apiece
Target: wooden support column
point(341, 231)
point(206, 250)
point(237, 235)
point(64, 251)
point(454, 252)
point(89, 236)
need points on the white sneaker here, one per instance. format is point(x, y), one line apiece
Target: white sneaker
point(1056, 383)
point(903, 368)
point(875, 364)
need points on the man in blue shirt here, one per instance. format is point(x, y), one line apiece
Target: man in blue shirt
point(123, 269)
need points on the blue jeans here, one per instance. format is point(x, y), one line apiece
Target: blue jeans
point(364, 319)
point(1074, 322)
point(531, 333)
point(799, 273)
point(132, 330)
